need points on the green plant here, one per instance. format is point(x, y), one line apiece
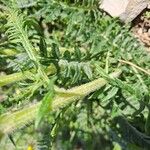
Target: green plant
point(75, 71)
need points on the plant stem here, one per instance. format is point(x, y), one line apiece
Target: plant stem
point(137, 67)
point(8, 79)
point(14, 52)
point(9, 122)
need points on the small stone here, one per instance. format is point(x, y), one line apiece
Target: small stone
point(140, 31)
point(149, 32)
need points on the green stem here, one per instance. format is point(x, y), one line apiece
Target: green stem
point(14, 52)
point(9, 52)
point(8, 79)
point(15, 120)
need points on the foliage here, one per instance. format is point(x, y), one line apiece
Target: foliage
point(77, 71)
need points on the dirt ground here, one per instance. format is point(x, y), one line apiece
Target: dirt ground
point(141, 28)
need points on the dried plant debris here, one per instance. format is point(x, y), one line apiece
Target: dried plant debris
point(141, 29)
point(126, 10)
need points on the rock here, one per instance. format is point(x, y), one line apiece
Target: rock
point(114, 7)
point(133, 9)
point(126, 10)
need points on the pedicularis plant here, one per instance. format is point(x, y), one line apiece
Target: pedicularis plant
point(71, 77)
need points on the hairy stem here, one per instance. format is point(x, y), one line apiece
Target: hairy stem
point(19, 76)
point(15, 120)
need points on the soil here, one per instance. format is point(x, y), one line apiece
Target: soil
point(141, 29)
